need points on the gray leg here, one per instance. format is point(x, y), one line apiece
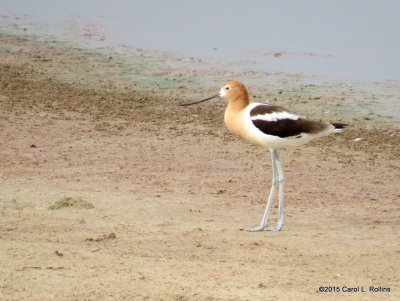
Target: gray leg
point(275, 176)
point(281, 181)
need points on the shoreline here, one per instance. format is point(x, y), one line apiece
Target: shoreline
point(125, 67)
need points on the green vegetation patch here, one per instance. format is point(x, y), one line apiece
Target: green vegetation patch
point(71, 202)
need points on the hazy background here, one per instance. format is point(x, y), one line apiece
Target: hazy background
point(344, 40)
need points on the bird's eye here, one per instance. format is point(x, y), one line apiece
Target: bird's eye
point(227, 88)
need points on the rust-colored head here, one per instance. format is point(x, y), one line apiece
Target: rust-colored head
point(234, 91)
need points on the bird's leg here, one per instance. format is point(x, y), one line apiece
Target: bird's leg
point(281, 182)
point(275, 176)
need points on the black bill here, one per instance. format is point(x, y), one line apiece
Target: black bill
point(196, 102)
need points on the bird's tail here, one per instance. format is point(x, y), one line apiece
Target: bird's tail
point(337, 127)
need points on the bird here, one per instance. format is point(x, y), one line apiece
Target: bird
point(272, 127)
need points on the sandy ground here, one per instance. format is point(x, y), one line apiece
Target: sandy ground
point(164, 194)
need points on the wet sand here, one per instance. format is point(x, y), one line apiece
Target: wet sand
point(163, 194)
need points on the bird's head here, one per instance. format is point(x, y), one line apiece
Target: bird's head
point(231, 90)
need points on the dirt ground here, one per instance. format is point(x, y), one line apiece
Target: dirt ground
point(161, 196)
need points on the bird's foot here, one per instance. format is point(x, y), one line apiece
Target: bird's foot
point(276, 228)
point(257, 229)
point(262, 228)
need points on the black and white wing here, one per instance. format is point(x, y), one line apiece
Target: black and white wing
point(279, 122)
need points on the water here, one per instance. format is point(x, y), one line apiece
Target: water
point(339, 40)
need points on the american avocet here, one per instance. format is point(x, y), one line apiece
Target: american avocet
point(272, 127)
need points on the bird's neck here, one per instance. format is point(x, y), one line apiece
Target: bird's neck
point(237, 104)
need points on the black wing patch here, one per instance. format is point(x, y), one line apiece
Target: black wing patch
point(284, 128)
point(289, 124)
